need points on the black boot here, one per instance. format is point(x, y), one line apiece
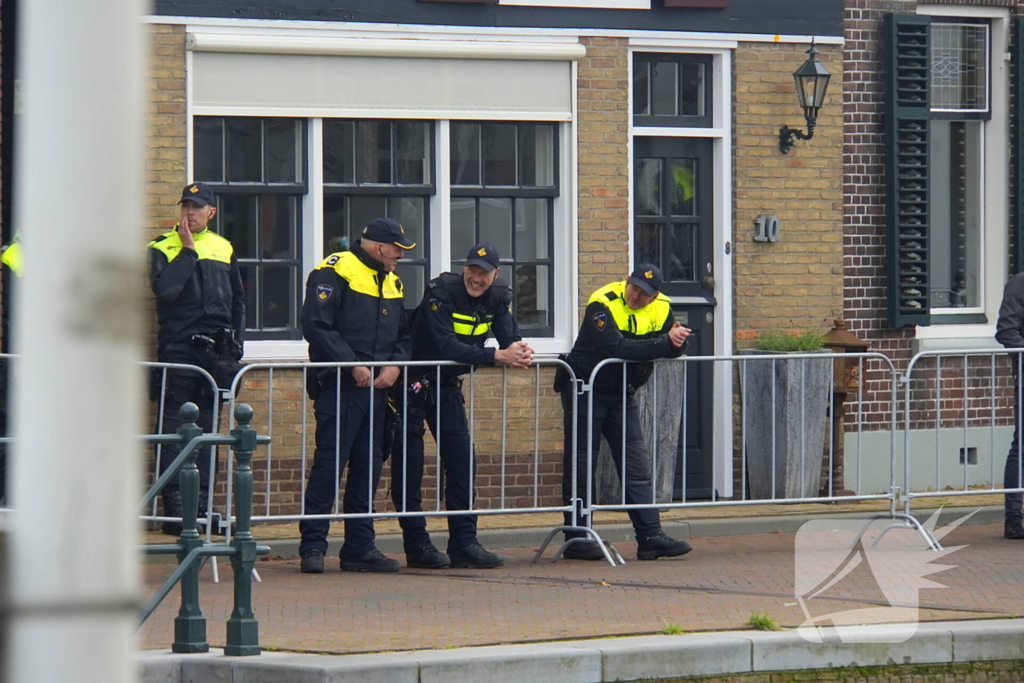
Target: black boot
point(172, 508)
point(1012, 529)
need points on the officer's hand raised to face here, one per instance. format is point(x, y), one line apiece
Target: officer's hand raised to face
point(678, 334)
point(186, 233)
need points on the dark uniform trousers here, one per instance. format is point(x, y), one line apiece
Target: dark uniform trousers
point(343, 437)
point(1013, 477)
point(607, 420)
point(456, 459)
point(182, 387)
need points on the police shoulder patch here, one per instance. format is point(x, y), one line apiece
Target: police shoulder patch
point(323, 292)
point(600, 320)
point(434, 304)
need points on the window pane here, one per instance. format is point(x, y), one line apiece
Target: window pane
point(335, 224)
point(647, 187)
point(249, 286)
point(641, 88)
point(955, 208)
point(245, 150)
point(682, 252)
point(465, 153)
point(647, 245)
point(412, 153)
point(531, 229)
point(339, 151)
point(499, 142)
point(283, 146)
point(278, 227)
point(532, 294)
point(959, 57)
point(463, 226)
point(537, 155)
point(373, 152)
point(237, 220)
point(362, 211)
point(208, 142)
point(280, 296)
point(410, 212)
point(496, 225)
point(414, 282)
point(683, 181)
point(665, 94)
point(693, 89)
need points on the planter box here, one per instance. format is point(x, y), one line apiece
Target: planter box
point(787, 399)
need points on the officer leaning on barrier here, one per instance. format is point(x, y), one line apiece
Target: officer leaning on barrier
point(633, 321)
point(200, 306)
point(457, 314)
point(353, 311)
point(1010, 333)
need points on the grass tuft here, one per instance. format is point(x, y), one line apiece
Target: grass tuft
point(762, 622)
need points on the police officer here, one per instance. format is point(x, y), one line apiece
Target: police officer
point(200, 308)
point(353, 312)
point(633, 321)
point(1010, 333)
point(457, 314)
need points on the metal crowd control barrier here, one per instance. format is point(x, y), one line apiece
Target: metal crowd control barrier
point(959, 409)
point(763, 384)
point(191, 550)
point(509, 499)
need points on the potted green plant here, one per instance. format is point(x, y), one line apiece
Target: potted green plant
point(785, 411)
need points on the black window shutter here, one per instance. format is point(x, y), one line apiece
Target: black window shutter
point(1018, 219)
point(907, 181)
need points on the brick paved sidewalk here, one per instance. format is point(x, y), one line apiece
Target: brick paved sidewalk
point(715, 587)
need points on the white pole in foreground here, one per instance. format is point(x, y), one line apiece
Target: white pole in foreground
point(74, 580)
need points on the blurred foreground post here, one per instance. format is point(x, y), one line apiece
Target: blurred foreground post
point(73, 574)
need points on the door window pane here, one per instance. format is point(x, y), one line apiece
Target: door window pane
point(463, 226)
point(642, 88)
point(465, 154)
point(682, 187)
point(682, 250)
point(647, 187)
point(208, 143)
point(339, 151)
point(279, 226)
point(245, 150)
point(665, 93)
point(959, 59)
point(280, 296)
point(537, 155)
point(648, 243)
point(335, 223)
point(496, 224)
point(532, 230)
point(531, 296)
point(373, 152)
point(411, 153)
point(693, 89)
point(499, 146)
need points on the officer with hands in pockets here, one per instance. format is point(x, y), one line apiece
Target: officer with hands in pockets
point(457, 314)
point(631, 320)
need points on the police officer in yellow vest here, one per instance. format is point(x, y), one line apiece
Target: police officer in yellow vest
point(633, 321)
point(200, 306)
point(459, 311)
point(353, 312)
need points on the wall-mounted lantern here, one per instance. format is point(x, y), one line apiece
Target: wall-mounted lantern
point(811, 84)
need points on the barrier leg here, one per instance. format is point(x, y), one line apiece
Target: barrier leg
point(190, 624)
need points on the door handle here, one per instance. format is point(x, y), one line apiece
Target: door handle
point(708, 282)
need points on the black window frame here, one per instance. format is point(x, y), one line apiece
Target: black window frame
point(704, 120)
point(222, 188)
point(510, 262)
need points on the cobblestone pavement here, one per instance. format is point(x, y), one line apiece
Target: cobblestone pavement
point(717, 586)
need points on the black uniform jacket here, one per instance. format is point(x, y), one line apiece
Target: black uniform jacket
point(353, 311)
point(451, 325)
point(612, 330)
point(1010, 326)
point(198, 291)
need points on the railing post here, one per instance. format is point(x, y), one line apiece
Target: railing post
point(190, 624)
point(243, 629)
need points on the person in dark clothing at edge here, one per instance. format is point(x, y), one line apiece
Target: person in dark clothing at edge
point(1010, 333)
point(353, 311)
point(457, 314)
point(200, 306)
point(633, 321)
point(12, 262)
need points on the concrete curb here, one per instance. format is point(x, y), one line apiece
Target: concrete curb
point(532, 537)
point(612, 659)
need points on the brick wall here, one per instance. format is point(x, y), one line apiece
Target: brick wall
point(604, 221)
